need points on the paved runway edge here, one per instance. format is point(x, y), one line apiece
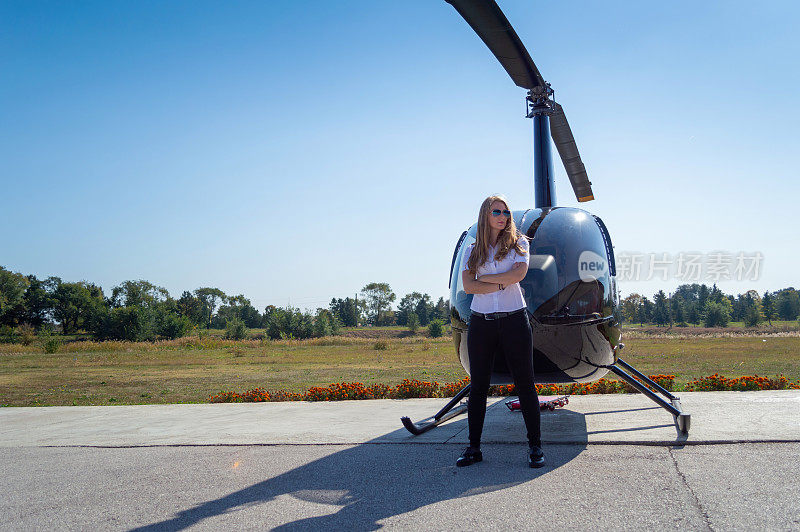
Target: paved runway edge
point(619, 419)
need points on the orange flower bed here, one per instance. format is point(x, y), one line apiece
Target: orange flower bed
point(717, 382)
point(345, 390)
point(452, 388)
point(411, 388)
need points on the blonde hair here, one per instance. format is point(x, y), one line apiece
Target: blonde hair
point(506, 240)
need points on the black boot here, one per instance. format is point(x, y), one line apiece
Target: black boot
point(535, 456)
point(469, 457)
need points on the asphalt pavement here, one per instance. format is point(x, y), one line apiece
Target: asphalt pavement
point(613, 462)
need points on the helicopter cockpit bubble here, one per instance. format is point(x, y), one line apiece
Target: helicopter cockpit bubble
point(569, 291)
point(570, 268)
point(584, 267)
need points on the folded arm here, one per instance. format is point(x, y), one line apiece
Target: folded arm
point(473, 286)
point(514, 275)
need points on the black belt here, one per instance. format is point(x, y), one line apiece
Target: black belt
point(496, 315)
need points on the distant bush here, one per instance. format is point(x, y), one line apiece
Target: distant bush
point(753, 317)
point(436, 328)
point(336, 325)
point(381, 345)
point(322, 327)
point(26, 334)
point(7, 334)
point(325, 324)
point(50, 343)
point(288, 323)
point(134, 324)
point(413, 322)
point(171, 326)
point(716, 314)
point(235, 329)
point(138, 324)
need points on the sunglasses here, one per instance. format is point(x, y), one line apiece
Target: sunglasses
point(498, 212)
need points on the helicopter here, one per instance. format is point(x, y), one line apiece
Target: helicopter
point(570, 289)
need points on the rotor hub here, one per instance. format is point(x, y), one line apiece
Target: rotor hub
point(539, 101)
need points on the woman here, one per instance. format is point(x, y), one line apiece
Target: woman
point(497, 262)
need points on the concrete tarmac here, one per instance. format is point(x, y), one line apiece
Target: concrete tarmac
point(613, 462)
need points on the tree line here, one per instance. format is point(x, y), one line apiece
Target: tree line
point(375, 308)
point(140, 310)
point(700, 304)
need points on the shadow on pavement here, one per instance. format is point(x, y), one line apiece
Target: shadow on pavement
point(375, 480)
point(622, 410)
point(631, 429)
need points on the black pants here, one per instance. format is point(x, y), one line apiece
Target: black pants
point(512, 336)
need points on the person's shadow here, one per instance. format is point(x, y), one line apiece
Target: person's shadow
point(377, 480)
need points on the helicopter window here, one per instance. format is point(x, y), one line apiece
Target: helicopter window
point(612, 266)
point(456, 275)
point(558, 289)
point(453, 262)
point(541, 280)
point(577, 301)
point(460, 301)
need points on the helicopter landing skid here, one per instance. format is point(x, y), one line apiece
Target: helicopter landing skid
point(449, 411)
point(682, 419)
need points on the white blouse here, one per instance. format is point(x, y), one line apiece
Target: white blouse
point(508, 299)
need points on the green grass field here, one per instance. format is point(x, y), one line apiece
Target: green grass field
point(732, 324)
point(190, 369)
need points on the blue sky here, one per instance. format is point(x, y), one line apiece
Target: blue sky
point(294, 151)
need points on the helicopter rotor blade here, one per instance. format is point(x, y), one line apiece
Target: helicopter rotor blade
point(568, 150)
point(492, 26)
